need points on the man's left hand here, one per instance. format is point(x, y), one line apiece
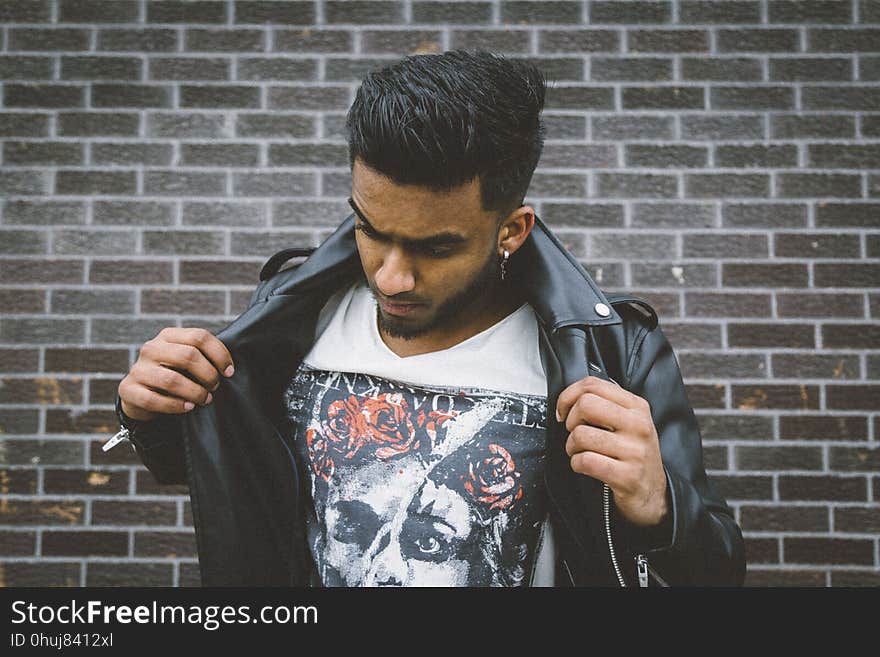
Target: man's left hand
point(625, 453)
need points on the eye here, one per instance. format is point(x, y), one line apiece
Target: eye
point(436, 251)
point(430, 251)
point(428, 544)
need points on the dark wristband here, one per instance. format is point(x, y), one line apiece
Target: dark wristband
point(129, 423)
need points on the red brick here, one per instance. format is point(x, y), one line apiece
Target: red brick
point(87, 360)
point(705, 396)
point(854, 578)
point(165, 544)
point(41, 390)
point(719, 426)
point(39, 573)
point(102, 573)
point(822, 488)
point(784, 518)
point(850, 336)
point(816, 366)
point(19, 361)
point(853, 397)
point(66, 420)
point(18, 481)
point(89, 482)
point(130, 512)
point(823, 427)
point(857, 519)
point(802, 304)
point(18, 544)
point(85, 543)
point(751, 397)
point(41, 512)
point(771, 334)
point(828, 551)
point(854, 459)
point(783, 578)
point(777, 458)
point(744, 487)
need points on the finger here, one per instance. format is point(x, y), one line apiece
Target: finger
point(601, 467)
point(155, 402)
point(585, 438)
point(188, 360)
point(596, 386)
point(169, 382)
point(589, 408)
point(213, 349)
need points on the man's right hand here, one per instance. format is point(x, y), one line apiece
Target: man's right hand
point(176, 370)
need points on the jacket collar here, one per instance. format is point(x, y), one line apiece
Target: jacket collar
point(559, 289)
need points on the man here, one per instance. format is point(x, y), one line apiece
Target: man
point(413, 404)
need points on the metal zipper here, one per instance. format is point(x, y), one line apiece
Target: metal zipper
point(123, 434)
point(606, 508)
point(642, 567)
point(646, 569)
point(606, 505)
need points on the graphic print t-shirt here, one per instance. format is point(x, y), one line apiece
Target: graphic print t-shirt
point(424, 470)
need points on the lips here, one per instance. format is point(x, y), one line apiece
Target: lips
point(400, 309)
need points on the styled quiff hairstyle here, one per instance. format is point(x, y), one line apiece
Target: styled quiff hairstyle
point(440, 120)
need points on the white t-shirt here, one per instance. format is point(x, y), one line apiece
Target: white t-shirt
point(505, 356)
point(425, 470)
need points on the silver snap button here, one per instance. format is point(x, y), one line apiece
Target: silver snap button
point(602, 310)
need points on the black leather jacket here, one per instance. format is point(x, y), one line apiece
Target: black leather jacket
point(247, 498)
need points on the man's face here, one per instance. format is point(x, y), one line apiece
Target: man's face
point(414, 533)
point(430, 258)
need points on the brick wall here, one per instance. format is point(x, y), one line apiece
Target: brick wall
point(720, 159)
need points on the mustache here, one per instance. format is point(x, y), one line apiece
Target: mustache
point(397, 300)
point(394, 300)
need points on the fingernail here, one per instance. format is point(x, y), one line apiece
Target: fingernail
point(228, 371)
point(558, 417)
point(208, 399)
point(189, 405)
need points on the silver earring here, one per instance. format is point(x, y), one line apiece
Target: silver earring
point(504, 264)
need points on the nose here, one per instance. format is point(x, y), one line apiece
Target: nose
point(396, 273)
point(388, 567)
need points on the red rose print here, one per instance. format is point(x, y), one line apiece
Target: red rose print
point(390, 424)
point(346, 426)
point(493, 480)
point(322, 462)
point(431, 421)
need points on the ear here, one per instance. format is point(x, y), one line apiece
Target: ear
point(515, 229)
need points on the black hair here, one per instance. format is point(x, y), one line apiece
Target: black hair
point(440, 120)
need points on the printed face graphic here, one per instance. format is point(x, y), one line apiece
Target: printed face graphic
point(415, 534)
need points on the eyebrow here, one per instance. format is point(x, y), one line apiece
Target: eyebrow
point(445, 238)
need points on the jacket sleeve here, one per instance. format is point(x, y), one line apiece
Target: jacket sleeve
point(159, 445)
point(700, 543)
point(159, 442)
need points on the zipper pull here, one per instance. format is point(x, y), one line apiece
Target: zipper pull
point(642, 563)
point(115, 440)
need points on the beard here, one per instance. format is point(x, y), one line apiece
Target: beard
point(484, 288)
